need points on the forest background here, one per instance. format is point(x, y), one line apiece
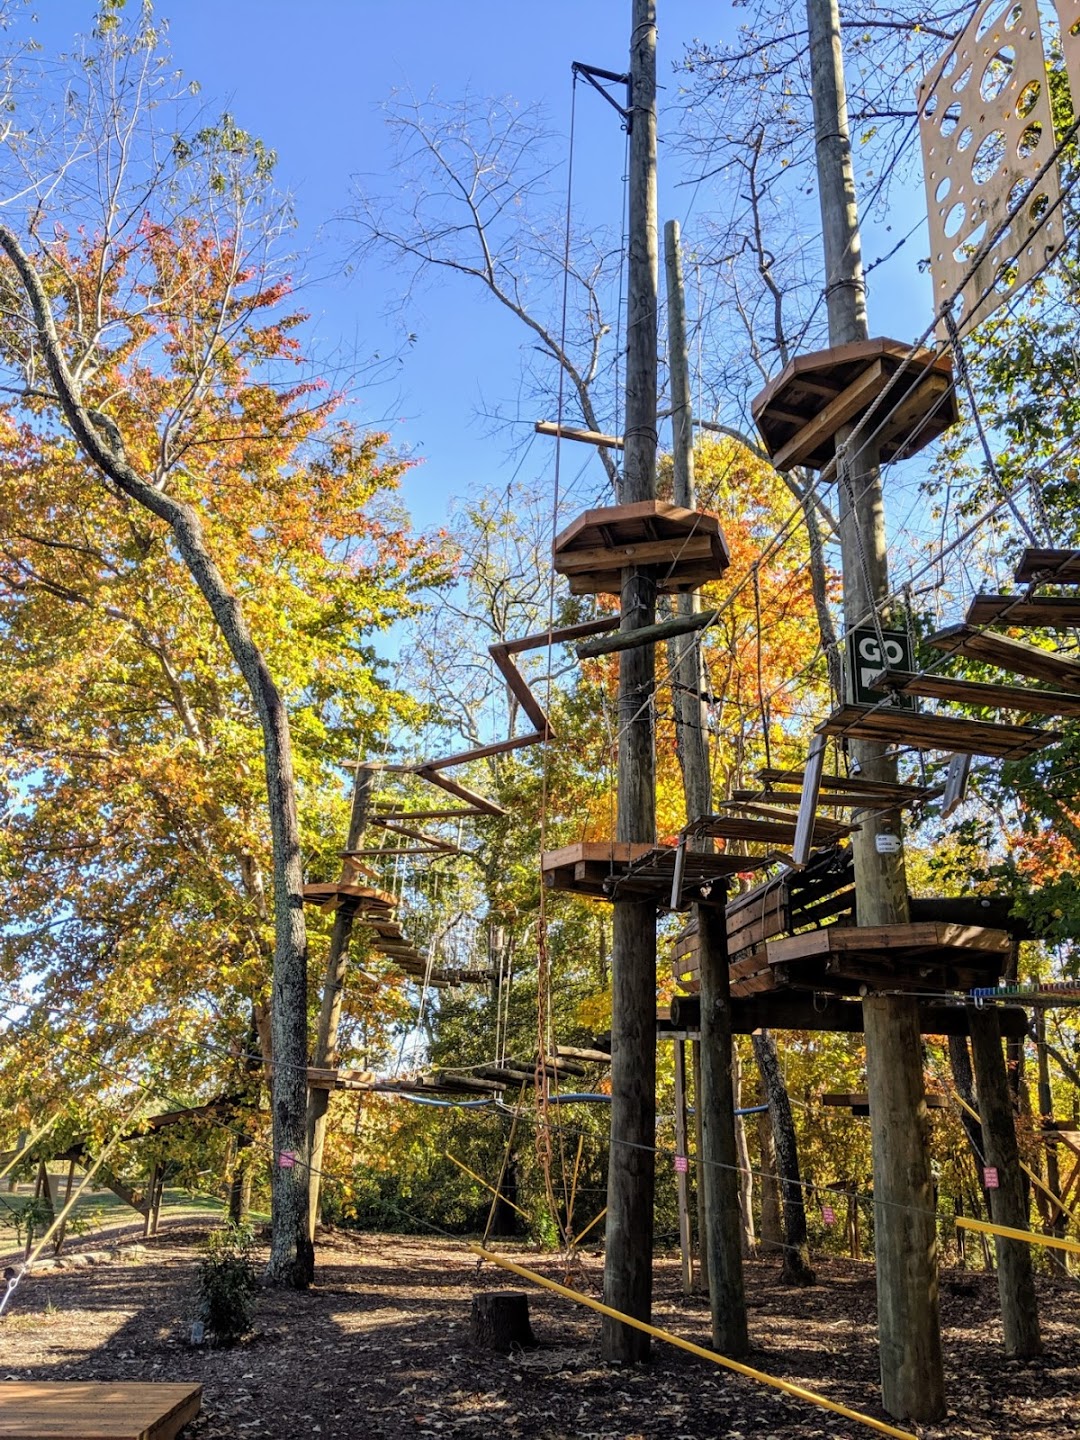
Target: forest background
point(136, 957)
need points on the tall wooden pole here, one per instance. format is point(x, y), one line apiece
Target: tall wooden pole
point(1054, 1223)
point(631, 1167)
point(325, 1055)
point(1008, 1199)
point(718, 1158)
point(905, 1229)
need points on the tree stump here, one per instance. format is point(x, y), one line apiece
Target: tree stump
point(500, 1321)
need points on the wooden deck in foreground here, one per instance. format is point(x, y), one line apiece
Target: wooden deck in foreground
point(92, 1410)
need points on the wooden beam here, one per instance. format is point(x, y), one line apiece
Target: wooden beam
point(590, 437)
point(636, 552)
point(801, 1010)
point(805, 821)
point(481, 752)
point(648, 635)
point(972, 692)
point(1008, 654)
point(479, 802)
point(853, 784)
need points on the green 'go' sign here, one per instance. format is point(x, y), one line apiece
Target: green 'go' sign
point(869, 652)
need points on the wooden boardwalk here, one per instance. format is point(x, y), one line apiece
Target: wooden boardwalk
point(94, 1410)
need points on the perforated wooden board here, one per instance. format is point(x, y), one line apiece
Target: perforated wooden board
point(1068, 14)
point(986, 129)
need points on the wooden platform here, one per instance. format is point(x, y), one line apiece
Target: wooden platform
point(973, 692)
point(1048, 567)
point(814, 1011)
point(859, 1104)
point(925, 955)
point(1008, 654)
point(92, 1410)
point(686, 547)
point(755, 830)
point(1047, 612)
point(799, 413)
point(329, 895)
point(608, 870)
point(937, 732)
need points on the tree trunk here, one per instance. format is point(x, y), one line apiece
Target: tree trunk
point(719, 1160)
point(771, 1233)
point(796, 1268)
point(1008, 1206)
point(291, 1254)
point(742, 1151)
point(499, 1321)
point(1054, 1223)
point(337, 961)
point(964, 1080)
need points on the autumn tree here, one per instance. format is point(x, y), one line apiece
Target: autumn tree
point(170, 432)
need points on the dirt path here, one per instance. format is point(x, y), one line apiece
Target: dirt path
point(379, 1350)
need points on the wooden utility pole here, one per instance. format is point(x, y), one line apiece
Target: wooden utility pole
point(718, 1169)
point(337, 960)
point(1008, 1199)
point(905, 1229)
point(631, 1167)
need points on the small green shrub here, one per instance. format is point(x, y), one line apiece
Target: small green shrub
point(227, 1284)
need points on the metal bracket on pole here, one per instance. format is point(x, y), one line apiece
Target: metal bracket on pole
point(804, 824)
point(676, 879)
point(593, 74)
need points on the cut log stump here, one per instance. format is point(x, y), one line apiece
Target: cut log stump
point(500, 1321)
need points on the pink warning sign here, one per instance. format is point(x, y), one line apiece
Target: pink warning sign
point(286, 1159)
point(681, 1164)
point(828, 1214)
point(990, 1177)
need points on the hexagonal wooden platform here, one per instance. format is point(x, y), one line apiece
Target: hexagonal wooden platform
point(799, 413)
point(686, 547)
point(608, 870)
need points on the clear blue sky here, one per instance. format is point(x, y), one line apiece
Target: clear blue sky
point(308, 77)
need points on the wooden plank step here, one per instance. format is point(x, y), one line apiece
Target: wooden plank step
point(974, 692)
point(852, 785)
point(824, 825)
point(847, 1100)
point(1051, 612)
point(331, 894)
point(1048, 567)
point(925, 935)
point(764, 832)
point(1009, 654)
point(95, 1410)
point(937, 732)
point(832, 800)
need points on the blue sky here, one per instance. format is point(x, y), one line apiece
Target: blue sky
point(308, 78)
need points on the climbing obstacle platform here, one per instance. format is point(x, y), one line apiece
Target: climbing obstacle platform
point(604, 869)
point(91, 1410)
point(687, 547)
point(799, 412)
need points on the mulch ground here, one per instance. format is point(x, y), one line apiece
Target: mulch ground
point(379, 1349)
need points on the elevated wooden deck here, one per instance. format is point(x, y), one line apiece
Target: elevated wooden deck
point(925, 955)
point(937, 732)
point(92, 1410)
point(608, 869)
point(686, 547)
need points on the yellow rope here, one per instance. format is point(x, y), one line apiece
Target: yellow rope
point(1028, 1236)
point(786, 1386)
point(481, 1181)
point(578, 1238)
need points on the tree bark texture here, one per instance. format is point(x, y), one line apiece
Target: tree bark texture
point(964, 1080)
point(1008, 1202)
point(337, 963)
point(797, 1269)
point(291, 1256)
point(719, 1159)
point(1055, 1224)
point(770, 1230)
point(631, 1167)
point(499, 1321)
point(905, 1221)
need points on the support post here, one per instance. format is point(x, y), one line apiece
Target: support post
point(631, 1166)
point(1008, 1206)
point(722, 1229)
point(719, 1159)
point(325, 1055)
point(682, 1177)
point(701, 1280)
point(905, 1235)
